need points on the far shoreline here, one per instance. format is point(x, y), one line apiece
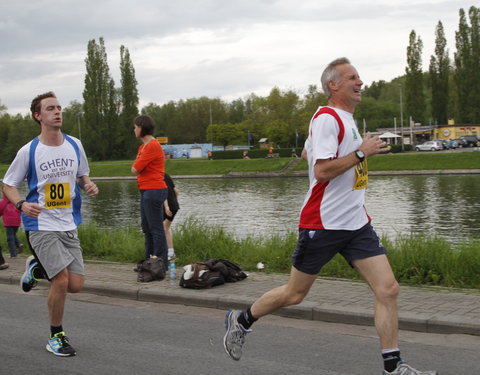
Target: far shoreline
point(303, 174)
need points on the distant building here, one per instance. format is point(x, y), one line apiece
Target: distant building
point(188, 150)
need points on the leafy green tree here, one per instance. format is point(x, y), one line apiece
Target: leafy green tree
point(439, 77)
point(19, 131)
point(3, 108)
point(414, 90)
point(377, 114)
point(73, 120)
point(223, 134)
point(374, 90)
point(129, 104)
point(467, 65)
point(100, 105)
point(279, 133)
point(236, 111)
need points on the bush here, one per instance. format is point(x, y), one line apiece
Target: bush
point(255, 153)
point(398, 148)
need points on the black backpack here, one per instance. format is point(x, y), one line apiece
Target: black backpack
point(150, 270)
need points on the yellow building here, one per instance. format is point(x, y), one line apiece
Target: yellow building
point(455, 131)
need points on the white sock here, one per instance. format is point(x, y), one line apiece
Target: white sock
point(171, 252)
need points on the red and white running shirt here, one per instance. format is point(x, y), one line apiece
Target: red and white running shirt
point(334, 204)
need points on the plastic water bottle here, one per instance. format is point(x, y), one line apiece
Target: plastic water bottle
point(172, 272)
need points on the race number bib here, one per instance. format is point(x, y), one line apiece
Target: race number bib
point(361, 176)
point(57, 195)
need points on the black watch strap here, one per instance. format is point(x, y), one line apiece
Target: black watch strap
point(19, 204)
point(360, 155)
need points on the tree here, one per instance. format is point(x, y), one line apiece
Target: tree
point(467, 63)
point(439, 77)
point(73, 120)
point(223, 134)
point(19, 131)
point(100, 105)
point(129, 104)
point(414, 95)
point(278, 132)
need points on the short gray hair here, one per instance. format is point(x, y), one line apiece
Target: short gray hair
point(331, 74)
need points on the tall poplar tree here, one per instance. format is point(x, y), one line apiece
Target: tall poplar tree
point(100, 105)
point(439, 76)
point(129, 104)
point(415, 97)
point(467, 64)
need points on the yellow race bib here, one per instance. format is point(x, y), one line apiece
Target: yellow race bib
point(361, 176)
point(57, 195)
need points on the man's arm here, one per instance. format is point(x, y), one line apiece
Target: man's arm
point(327, 169)
point(29, 208)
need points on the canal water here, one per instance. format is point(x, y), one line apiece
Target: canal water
point(445, 205)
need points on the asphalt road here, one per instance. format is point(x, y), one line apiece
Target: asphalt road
point(115, 336)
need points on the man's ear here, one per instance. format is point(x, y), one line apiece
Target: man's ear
point(332, 86)
point(36, 115)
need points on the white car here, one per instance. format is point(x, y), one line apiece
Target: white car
point(429, 146)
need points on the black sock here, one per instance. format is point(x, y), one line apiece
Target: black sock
point(390, 360)
point(246, 319)
point(54, 330)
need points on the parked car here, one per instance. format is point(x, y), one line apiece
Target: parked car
point(471, 140)
point(429, 146)
point(461, 142)
point(442, 141)
point(452, 144)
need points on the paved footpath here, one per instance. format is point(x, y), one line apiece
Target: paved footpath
point(435, 310)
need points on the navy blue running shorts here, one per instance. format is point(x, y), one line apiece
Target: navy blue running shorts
point(315, 247)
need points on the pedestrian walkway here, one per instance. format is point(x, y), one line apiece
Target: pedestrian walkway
point(434, 309)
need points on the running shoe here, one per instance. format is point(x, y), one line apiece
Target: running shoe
point(235, 336)
point(404, 369)
point(28, 281)
point(59, 345)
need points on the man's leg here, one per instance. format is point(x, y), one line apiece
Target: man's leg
point(62, 283)
point(11, 236)
point(379, 275)
point(291, 293)
point(238, 323)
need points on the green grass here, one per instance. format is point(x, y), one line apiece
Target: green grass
point(417, 259)
point(389, 162)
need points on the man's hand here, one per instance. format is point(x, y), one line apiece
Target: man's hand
point(91, 189)
point(31, 209)
point(373, 145)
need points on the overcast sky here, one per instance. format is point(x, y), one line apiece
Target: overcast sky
point(217, 48)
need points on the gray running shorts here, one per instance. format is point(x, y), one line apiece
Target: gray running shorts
point(57, 250)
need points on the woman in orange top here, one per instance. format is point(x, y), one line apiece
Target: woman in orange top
point(149, 166)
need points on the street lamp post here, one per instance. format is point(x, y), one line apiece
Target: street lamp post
point(401, 115)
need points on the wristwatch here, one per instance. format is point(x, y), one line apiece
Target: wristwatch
point(19, 204)
point(360, 155)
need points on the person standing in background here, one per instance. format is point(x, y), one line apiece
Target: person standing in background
point(171, 208)
point(149, 167)
point(11, 221)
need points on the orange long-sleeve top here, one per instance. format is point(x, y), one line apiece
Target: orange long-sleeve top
point(150, 163)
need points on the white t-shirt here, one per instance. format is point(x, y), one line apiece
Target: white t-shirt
point(51, 173)
point(334, 204)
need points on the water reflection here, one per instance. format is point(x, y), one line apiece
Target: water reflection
point(446, 205)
